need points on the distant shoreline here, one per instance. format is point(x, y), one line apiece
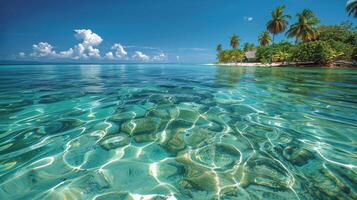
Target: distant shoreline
point(337, 64)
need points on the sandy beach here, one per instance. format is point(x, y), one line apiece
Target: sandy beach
point(335, 64)
point(257, 64)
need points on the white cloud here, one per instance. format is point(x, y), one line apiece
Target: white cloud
point(138, 55)
point(109, 55)
point(249, 19)
point(119, 51)
point(66, 54)
point(89, 38)
point(93, 52)
point(22, 55)
point(79, 52)
point(193, 49)
point(160, 57)
point(43, 49)
point(85, 49)
point(142, 47)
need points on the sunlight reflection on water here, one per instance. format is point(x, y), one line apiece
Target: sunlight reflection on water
point(177, 132)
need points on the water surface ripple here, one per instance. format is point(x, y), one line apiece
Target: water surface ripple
point(177, 132)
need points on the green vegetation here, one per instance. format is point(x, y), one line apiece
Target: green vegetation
point(304, 29)
point(279, 21)
point(231, 56)
point(219, 48)
point(248, 47)
point(352, 7)
point(313, 43)
point(319, 52)
point(234, 41)
point(280, 52)
point(345, 32)
point(341, 38)
point(264, 38)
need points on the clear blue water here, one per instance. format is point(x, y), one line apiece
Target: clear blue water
point(177, 132)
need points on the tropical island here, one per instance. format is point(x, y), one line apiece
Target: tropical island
point(113, 101)
point(314, 45)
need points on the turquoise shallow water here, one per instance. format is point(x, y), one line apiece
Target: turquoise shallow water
point(177, 132)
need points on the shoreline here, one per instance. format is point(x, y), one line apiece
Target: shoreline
point(337, 64)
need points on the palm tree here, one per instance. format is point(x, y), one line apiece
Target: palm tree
point(279, 22)
point(234, 41)
point(219, 48)
point(248, 47)
point(264, 38)
point(351, 7)
point(304, 29)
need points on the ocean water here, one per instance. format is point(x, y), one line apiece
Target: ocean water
point(155, 132)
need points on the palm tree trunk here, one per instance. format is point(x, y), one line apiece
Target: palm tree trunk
point(271, 51)
point(273, 38)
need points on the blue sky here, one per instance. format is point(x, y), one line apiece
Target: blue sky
point(140, 31)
